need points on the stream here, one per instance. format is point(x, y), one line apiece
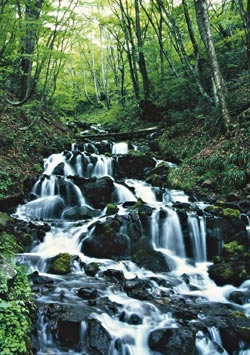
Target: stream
point(113, 271)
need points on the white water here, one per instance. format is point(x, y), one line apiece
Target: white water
point(198, 237)
point(165, 231)
point(120, 148)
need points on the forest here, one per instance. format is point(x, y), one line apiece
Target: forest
point(91, 72)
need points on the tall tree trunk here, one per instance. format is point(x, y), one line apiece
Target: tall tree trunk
point(141, 58)
point(202, 16)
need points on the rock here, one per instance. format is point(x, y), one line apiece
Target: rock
point(37, 279)
point(97, 337)
point(69, 333)
point(114, 275)
point(177, 341)
point(10, 202)
point(97, 191)
point(111, 209)
point(91, 269)
point(59, 169)
point(233, 266)
point(145, 256)
point(80, 212)
point(106, 241)
point(60, 264)
point(133, 166)
point(139, 289)
point(87, 293)
point(239, 297)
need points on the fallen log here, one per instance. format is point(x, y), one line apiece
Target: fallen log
point(122, 135)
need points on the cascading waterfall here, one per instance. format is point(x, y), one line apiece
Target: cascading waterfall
point(198, 236)
point(166, 231)
point(124, 309)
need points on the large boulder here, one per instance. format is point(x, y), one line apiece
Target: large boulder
point(97, 337)
point(60, 264)
point(97, 191)
point(133, 166)
point(145, 256)
point(105, 241)
point(233, 266)
point(80, 212)
point(178, 341)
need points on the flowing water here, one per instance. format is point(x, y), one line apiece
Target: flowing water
point(123, 323)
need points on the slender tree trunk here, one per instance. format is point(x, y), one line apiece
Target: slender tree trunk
point(202, 17)
point(141, 58)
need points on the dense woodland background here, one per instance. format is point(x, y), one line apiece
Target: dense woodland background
point(181, 65)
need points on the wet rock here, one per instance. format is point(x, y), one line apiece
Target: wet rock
point(80, 212)
point(133, 319)
point(111, 209)
point(145, 256)
point(97, 191)
point(59, 169)
point(91, 269)
point(106, 241)
point(233, 266)
point(97, 337)
point(133, 166)
point(139, 289)
point(60, 264)
point(37, 279)
point(178, 341)
point(239, 297)
point(69, 334)
point(87, 293)
point(114, 275)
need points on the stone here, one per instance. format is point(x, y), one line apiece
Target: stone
point(60, 264)
point(87, 293)
point(97, 337)
point(178, 341)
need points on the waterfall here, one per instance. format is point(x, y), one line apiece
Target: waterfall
point(123, 194)
point(117, 304)
point(103, 167)
point(197, 232)
point(166, 231)
point(120, 148)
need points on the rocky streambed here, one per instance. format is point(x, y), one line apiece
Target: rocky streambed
point(120, 264)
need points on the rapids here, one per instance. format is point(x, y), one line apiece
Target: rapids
point(120, 308)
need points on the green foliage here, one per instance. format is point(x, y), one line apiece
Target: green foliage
point(231, 213)
point(15, 315)
point(15, 328)
point(5, 183)
point(8, 245)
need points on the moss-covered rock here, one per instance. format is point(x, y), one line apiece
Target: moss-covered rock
point(233, 267)
point(111, 209)
point(61, 264)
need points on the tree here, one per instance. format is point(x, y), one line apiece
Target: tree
point(203, 22)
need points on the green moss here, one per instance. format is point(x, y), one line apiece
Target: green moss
point(231, 213)
point(111, 209)
point(238, 314)
point(217, 210)
point(233, 248)
point(61, 264)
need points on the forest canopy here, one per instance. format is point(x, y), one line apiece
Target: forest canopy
point(74, 56)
